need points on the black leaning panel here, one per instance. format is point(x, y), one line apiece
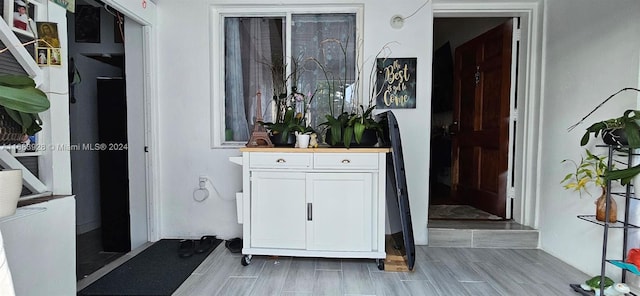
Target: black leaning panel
point(400, 187)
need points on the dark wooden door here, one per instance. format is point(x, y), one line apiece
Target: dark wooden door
point(114, 167)
point(480, 133)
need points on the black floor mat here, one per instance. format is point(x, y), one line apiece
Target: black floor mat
point(158, 270)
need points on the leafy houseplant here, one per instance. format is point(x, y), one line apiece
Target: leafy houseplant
point(619, 131)
point(346, 126)
point(290, 117)
point(589, 171)
point(349, 127)
point(23, 101)
point(292, 122)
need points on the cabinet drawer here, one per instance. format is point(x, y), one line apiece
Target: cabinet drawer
point(346, 161)
point(280, 160)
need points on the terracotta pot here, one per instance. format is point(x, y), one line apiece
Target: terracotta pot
point(10, 189)
point(601, 208)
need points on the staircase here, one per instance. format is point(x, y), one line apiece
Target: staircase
point(481, 234)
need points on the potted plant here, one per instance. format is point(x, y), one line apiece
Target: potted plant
point(291, 114)
point(10, 189)
point(290, 118)
point(22, 101)
point(590, 171)
point(353, 129)
point(619, 131)
point(352, 125)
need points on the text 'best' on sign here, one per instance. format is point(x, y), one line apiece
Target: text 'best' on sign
point(396, 83)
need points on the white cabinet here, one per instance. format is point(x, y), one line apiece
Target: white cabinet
point(322, 202)
point(340, 216)
point(278, 210)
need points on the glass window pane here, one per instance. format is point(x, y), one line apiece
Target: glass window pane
point(254, 47)
point(322, 68)
point(324, 47)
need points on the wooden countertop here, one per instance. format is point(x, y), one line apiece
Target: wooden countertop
point(316, 150)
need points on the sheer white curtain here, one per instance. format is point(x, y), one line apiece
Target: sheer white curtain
point(254, 47)
point(248, 60)
point(329, 40)
point(235, 119)
point(260, 74)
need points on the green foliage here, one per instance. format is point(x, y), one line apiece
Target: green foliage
point(628, 123)
point(23, 101)
point(590, 170)
point(348, 125)
point(594, 282)
point(291, 123)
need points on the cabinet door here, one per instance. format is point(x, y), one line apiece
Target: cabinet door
point(278, 210)
point(340, 216)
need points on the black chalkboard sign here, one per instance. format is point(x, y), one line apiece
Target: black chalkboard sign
point(396, 83)
point(399, 184)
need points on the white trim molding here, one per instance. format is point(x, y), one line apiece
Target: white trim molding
point(145, 13)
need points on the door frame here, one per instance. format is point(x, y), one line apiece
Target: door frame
point(525, 186)
point(144, 13)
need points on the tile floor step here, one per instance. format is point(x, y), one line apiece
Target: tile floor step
point(481, 234)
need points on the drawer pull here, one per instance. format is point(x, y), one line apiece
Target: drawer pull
point(309, 211)
point(346, 161)
point(281, 160)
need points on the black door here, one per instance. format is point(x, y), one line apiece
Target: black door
point(114, 178)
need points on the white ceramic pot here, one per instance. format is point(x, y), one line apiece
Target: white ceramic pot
point(302, 140)
point(10, 189)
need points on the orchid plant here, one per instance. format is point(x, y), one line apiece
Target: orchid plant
point(590, 170)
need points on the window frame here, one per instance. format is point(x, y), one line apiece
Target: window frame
point(217, 67)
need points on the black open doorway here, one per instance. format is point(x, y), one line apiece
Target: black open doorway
point(98, 125)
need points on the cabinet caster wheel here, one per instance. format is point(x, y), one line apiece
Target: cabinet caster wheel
point(246, 260)
point(380, 263)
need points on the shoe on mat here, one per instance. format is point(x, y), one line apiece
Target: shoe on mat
point(205, 244)
point(186, 248)
point(234, 245)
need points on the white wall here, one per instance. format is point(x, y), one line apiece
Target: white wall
point(592, 50)
point(184, 102)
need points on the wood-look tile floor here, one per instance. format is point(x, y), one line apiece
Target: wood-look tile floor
point(438, 271)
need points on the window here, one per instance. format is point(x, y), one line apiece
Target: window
point(312, 53)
